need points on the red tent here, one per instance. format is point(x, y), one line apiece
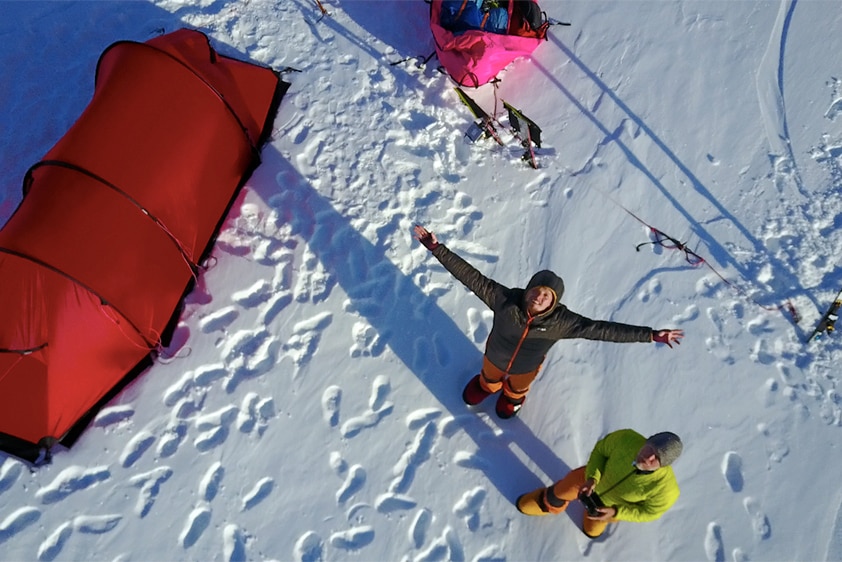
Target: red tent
point(96, 259)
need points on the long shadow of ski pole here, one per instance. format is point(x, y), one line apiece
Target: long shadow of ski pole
point(419, 333)
point(719, 252)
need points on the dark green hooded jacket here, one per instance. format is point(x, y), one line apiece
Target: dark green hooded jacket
point(518, 342)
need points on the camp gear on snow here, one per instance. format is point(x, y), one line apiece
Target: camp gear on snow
point(473, 54)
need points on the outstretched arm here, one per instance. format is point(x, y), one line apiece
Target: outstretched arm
point(427, 238)
point(483, 287)
point(668, 337)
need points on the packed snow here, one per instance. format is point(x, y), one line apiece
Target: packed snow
point(309, 407)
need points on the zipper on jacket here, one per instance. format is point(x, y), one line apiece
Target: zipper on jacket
point(529, 319)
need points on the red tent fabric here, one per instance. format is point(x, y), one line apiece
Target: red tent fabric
point(474, 57)
point(97, 257)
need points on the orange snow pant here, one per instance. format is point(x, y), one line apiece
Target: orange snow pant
point(567, 489)
point(515, 387)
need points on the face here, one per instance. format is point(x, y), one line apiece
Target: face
point(539, 299)
point(647, 459)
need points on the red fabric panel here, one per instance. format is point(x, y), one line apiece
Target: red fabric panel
point(247, 88)
point(99, 238)
point(89, 349)
point(88, 261)
point(178, 150)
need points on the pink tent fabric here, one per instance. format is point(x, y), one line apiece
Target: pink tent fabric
point(475, 57)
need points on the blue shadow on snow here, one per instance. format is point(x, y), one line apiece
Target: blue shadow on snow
point(419, 332)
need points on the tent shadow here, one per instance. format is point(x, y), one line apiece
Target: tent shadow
point(414, 328)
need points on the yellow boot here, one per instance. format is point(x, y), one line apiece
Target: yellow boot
point(532, 503)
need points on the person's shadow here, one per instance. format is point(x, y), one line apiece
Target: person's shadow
point(420, 334)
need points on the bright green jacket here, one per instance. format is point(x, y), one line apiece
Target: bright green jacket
point(637, 497)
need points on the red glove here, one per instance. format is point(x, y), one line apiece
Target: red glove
point(427, 238)
point(668, 337)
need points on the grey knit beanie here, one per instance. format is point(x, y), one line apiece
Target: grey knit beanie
point(667, 446)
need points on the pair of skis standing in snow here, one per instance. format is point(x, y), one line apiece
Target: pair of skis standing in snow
point(527, 323)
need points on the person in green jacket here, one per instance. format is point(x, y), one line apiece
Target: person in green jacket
point(628, 478)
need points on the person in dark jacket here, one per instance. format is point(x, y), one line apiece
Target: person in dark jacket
point(527, 322)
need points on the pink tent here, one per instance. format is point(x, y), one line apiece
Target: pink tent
point(474, 56)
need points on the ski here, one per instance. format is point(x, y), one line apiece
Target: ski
point(484, 124)
point(527, 135)
point(827, 323)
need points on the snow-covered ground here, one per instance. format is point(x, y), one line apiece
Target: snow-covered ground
point(311, 408)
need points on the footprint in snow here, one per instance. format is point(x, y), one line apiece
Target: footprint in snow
point(354, 538)
point(354, 481)
point(421, 417)
point(714, 549)
point(206, 375)
point(835, 110)
point(259, 492)
point(249, 354)
point(737, 555)
point(171, 439)
point(717, 347)
point(760, 354)
point(732, 470)
point(219, 320)
point(18, 521)
point(70, 480)
point(210, 483)
point(690, 313)
point(52, 545)
point(469, 505)
point(233, 544)
point(387, 503)
point(255, 412)
point(255, 295)
point(9, 474)
point(306, 335)
point(150, 486)
point(309, 548)
point(419, 527)
point(274, 306)
point(195, 526)
point(380, 389)
point(135, 448)
point(477, 327)
point(652, 290)
point(96, 524)
point(416, 454)
point(445, 547)
point(367, 342)
point(338, 464)
point(113, 415)
point(368, 419)
point(467, 459)
point(331, 399)
point(759, 521)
